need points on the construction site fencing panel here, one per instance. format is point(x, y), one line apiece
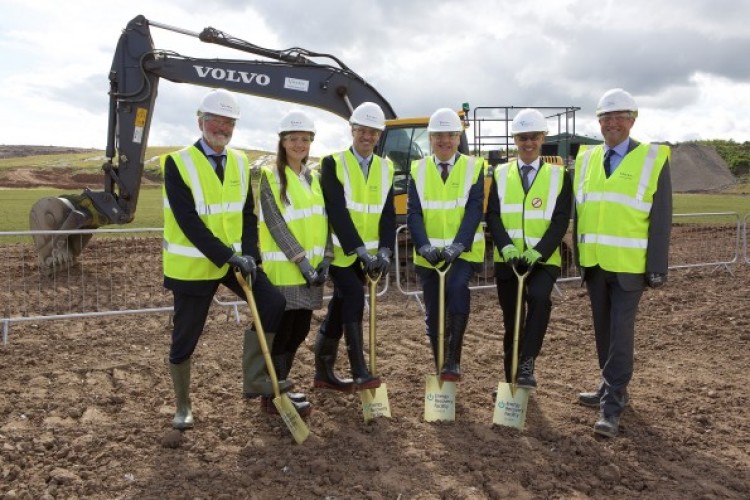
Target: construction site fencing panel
point(119, 272)
point(745, 240)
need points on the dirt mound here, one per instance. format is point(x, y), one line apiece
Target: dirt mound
point(695, 167)
point(21, 151)
point(61, 178)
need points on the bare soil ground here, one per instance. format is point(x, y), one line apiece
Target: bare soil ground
point(86, 407)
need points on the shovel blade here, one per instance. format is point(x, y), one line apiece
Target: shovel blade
point(439, 400)
point(291, 418)
point(375, 403)
point(510, 406)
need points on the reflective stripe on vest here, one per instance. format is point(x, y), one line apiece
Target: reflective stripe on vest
point(218, 205)
point(305, 219)
point(613, 213)
point(444, 203)
point(527, 216)
point(365, 199)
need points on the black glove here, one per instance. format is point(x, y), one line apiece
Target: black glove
point(384, 260)
point(322, 271)
point(430, 254)
point(655, 280)
point(310, 275)
point(451, 252)
point(246, 265)
point(368, 260)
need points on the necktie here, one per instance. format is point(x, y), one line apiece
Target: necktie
point(365, 168)
point(219, 162)
point(444, 171)
point(525, 177)
point(608, 162)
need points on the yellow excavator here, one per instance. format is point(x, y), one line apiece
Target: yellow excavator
point(294, 75)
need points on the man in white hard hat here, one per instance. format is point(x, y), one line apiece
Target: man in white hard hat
point(444, 211)
point(358, 191)
point(623, 195)
point(210, 228)
point(528, 213)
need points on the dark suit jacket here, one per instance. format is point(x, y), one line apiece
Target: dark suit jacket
point(468, 227)
point(341, 221)
point(183, 206)
point(659, 230)
point(552, 237)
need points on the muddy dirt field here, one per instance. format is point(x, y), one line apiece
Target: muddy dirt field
point(86, 407)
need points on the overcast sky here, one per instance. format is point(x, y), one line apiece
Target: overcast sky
point(686, 62)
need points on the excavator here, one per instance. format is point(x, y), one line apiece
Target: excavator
point(294, 75)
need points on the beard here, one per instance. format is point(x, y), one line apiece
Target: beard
point(217, 139)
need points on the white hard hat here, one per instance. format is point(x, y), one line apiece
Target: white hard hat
point(220, 102)
point(616, 100)
point(296, 121)
point(368, 114)
point(445, 120)
point(528, 120)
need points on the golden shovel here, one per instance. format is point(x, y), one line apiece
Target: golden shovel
point(511, 401)
point(283, 404)
point(374, 401)
point(440, 395)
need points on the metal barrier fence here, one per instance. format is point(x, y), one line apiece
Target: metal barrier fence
point(120, 270)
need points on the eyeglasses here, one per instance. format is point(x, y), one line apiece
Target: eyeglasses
point(219, 120)
point(367, 131)
point(623, 117)
point(528, 137)
point(298, 139)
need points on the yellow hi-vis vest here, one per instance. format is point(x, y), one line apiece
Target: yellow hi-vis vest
point(444, 203)
point(305, 218)
point(218, 205)
point(613, 213)
point(365, 199)
point(527, 216)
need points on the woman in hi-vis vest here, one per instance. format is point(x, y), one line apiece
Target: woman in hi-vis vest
point(294, 243)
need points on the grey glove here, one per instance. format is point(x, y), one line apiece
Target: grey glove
point(246, 265)
point(430, 253)
point(384, 260)
point(451, 252)
point(310, 275)
point(322, 271)
point(369, 261)
point(655, 280)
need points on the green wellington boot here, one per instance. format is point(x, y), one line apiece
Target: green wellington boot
point(255, 379)
point(183, 417)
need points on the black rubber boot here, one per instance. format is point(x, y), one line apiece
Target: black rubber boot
point(434, 346)
point(457, 327)
point(326, 350)
point(304, 408)
point(354, 345)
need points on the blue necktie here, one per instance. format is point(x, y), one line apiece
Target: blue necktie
point(608, 162)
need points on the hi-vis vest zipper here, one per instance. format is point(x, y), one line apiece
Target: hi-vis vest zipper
point(305, 218)
point(527, 216)
point(613, 213)
point(218, 205)
point(444, 203)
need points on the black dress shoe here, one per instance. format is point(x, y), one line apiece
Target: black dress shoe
point(526, 379)
point(607, 426)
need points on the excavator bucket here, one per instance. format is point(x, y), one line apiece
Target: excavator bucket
point(58, 251)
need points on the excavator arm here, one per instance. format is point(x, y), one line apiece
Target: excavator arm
point(292, 75)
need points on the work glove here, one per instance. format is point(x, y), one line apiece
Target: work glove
point(246, 265)
point(655, 280)
point(451, 252)
point(368, 260)
point(530, 256)
point(511, 254)
point(384, 260)
point(430, 253)
point(308, 272)
point(322, 271)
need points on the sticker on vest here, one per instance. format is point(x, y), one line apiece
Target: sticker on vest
point(536, 202)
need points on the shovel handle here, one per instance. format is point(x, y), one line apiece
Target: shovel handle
point(247, 288)
point(517, 325)
point(442, 272)
point(372, 282)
